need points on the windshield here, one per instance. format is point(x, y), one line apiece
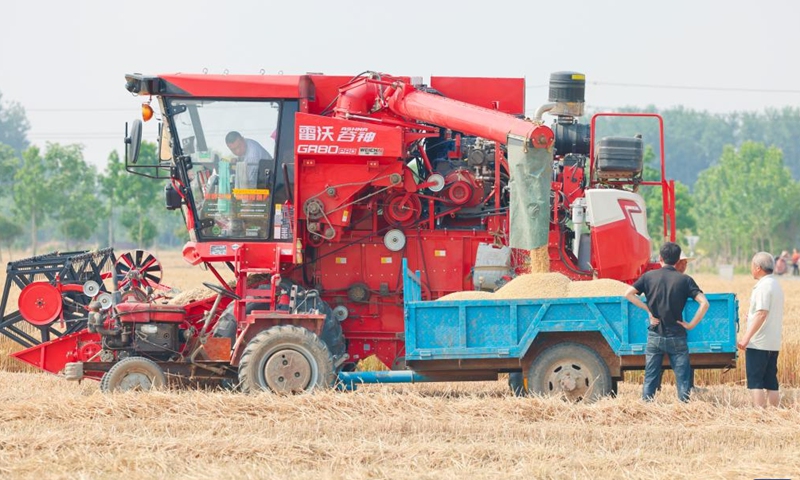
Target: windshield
point(232, 148)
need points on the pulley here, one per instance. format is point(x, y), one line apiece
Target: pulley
point(91, 288)
point(340, 313)
point(313, 208)
point(402, 209)
point(40, 303)
point(394, 240)
point(436, 181)
point(105, 300)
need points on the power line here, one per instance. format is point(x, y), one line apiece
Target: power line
point(74, 110)
point(684, 87)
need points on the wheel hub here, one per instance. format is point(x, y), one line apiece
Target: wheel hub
point(287, 371)
point(568, 378)
point(135, 381)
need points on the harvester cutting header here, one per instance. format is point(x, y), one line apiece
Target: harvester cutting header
point(314, 189)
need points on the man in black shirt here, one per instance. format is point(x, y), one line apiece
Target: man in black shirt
point(667, 290)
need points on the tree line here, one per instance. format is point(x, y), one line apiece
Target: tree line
point(735, 184)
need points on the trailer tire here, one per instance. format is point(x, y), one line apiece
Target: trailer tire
point(570, 370)
point(133, 373)
point(286, 359)
point(516, 382)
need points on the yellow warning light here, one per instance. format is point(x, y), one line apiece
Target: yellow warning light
point(147, 112)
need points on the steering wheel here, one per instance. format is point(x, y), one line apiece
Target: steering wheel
point(221, 291)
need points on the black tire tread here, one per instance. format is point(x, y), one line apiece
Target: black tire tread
point(252, 356)
point(113, 375)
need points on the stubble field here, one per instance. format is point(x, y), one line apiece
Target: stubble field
point(50, 428)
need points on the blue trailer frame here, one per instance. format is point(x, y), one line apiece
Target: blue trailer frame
point(450, 340)
point(462, 329)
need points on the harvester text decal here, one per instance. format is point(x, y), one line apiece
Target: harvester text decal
point(326, 133)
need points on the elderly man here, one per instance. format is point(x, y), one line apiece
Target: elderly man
point(683, 263)
point(762, 339)
point(667, 291)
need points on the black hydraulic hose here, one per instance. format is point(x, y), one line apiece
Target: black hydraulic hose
point(564, 260)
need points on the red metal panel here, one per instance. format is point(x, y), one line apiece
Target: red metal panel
point(150, 312)
point(339, 268)
point(242, 86)
point(52, 356)
point(503, 94)
point(326, 88)
point(250, 255)
point(382, 267)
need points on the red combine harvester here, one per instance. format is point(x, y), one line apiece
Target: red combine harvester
point(312, 189)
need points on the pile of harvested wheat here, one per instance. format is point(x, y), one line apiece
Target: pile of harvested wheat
point(546, 285)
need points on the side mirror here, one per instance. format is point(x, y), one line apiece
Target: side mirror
point(132, 142)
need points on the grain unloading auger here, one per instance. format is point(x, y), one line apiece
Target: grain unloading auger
point(349, 180)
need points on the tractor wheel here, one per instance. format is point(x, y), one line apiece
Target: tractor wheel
point(516, 382)
point(332, 333)
point(571, 371)
point(133, 373)
point(285, 359)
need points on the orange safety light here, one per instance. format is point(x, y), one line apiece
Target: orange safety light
point(147, 112)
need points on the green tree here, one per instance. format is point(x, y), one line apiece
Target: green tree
point(743, 202)
point(654, 201)
point(774, 127)
point(9, 164)
point(135, 195)
point(34, 198)
point(74, 185)
point(110, 186)
point(9, 231)
point(693, 140)
point(14, 126)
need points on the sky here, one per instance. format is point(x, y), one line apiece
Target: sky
point(65, 62)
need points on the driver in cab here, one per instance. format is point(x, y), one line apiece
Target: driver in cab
point(248, 155)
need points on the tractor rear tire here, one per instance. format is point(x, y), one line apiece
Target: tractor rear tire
point(286, 359)
point(332, 333)
point(131, 374)
point(571, 371)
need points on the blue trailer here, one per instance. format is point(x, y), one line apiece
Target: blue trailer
point(577, 347)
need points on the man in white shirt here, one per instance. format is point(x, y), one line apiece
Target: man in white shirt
point(762, 339)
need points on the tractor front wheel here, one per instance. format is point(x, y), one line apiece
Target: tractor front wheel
point(133, 373)
point(286, 359)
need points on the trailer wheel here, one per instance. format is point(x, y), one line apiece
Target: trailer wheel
point(570, 370)
point(285, 359)
point(133, 373)
point(517, 384)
